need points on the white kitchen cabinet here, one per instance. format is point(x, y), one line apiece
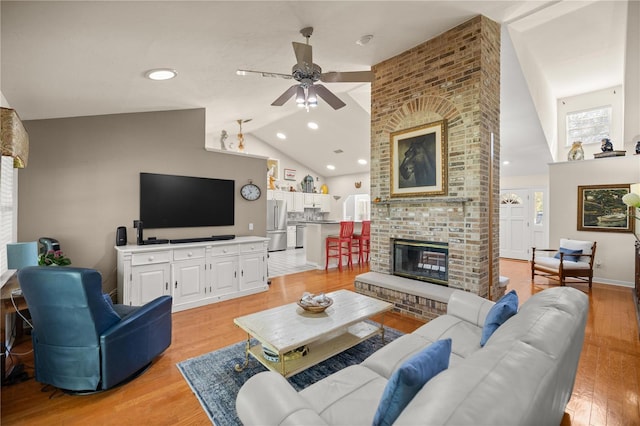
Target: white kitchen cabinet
point(188, 275)
point(325, 203)
point(309, 200)
point(298, 202)
point(195, 274)
point(288, 198)
point(275, 194)
point(223, 276)
point(188, 278)
point(291, 236)
point(252, 266)
point(147, 283)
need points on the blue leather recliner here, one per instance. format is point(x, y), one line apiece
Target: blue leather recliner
point(81, 341)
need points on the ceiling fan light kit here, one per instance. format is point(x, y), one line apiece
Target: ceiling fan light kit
point(306, 73)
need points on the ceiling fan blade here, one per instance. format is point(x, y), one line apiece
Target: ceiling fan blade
point(285, 96)
point(328, 97)
point(265, 74)
point(347, 77)
point(303, 53)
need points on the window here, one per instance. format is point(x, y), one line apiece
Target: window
point(538, 198)
point(7, 209)
point(589, 126)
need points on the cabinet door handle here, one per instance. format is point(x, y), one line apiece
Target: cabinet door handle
point(189, 254)
point(151, 258)
point(235, 274)
point(176, 284)
point(166, 285)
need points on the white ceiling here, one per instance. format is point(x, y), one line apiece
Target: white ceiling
point(63, 59)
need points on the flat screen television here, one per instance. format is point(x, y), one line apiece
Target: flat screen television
point(168, 201)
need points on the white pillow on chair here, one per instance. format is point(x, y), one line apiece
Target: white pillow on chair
point(585, 246)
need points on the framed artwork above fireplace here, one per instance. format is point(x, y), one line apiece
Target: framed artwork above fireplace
point(418, 161)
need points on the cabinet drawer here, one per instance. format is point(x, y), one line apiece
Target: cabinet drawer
point(189, 253)
point(253, 247)
point(150, 257)
point(222, 250)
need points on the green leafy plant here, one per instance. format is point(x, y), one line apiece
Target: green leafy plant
point(53, 258)
point(632, 200)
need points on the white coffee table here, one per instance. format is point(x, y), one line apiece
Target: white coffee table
point(325, 334)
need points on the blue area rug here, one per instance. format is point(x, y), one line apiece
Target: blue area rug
point(215, 382)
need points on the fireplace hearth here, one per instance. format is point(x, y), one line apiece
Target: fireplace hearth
point(421, 260)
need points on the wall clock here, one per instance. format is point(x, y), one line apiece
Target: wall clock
point(250, 192)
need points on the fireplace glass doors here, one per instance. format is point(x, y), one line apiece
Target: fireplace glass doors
point(421, 260)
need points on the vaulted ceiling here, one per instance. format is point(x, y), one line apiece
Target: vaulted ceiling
point(64, 59)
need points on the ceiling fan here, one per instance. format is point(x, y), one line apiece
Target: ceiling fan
point(306, 73)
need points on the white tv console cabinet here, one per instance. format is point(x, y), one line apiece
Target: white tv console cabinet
point(195, 274)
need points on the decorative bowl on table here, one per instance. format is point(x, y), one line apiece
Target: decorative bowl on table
point(315, 303)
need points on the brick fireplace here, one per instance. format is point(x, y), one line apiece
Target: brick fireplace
point(454, 77)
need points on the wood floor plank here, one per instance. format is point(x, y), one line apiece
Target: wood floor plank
point(606, 390)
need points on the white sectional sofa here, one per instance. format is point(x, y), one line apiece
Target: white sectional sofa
point(524, 375)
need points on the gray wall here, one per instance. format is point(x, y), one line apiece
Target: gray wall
point(82, 180)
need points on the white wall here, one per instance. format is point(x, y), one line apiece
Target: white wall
point(513, 182)
point(613, 96)
point(632, 81)
point(615, 251)
point(256, 146)
point(344, 186)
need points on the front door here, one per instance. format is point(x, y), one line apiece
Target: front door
point(515, 239)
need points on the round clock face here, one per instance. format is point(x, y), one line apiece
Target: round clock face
point(250, 192)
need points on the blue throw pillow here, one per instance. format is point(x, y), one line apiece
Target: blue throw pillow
point(407, 380)
point(504, 309)
point(568, 252)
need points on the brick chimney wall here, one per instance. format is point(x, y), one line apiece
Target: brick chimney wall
point(456, 77)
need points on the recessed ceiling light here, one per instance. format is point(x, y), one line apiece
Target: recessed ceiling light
point(505, 162)
point(312, 125)
point(331, 167)
point(161, 74)
point(281, 135)
point(362, 161)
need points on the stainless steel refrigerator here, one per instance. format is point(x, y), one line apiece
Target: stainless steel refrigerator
point(277, 225)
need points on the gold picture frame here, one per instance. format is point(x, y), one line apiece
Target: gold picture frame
point(419, 161)
point(600, 208)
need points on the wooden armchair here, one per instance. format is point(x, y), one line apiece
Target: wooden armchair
point(574, 259)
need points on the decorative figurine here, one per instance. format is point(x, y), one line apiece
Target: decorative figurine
point(223, 136)
point(606, 145)
point(576, 152)
point(638, 147)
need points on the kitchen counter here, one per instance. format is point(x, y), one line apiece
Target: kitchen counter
point(317, 233)
point(295, 222)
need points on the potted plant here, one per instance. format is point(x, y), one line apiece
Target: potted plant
point(53, 258)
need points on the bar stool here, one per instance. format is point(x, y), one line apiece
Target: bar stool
point(362, 242)
point(337, 246)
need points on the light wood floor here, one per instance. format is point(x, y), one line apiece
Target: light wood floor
point(606, 390)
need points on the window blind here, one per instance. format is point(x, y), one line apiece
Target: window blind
point(8, 207)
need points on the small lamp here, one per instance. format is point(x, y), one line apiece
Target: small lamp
point(20, 255)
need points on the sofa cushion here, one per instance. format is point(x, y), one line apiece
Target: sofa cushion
point(504, 309)
point(390, 357)
point(569, 254)
point(406, 381)
point(553, 263)
point(345, 397)
point(465, 335)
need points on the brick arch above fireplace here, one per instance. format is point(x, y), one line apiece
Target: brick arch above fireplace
point(422, 110)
